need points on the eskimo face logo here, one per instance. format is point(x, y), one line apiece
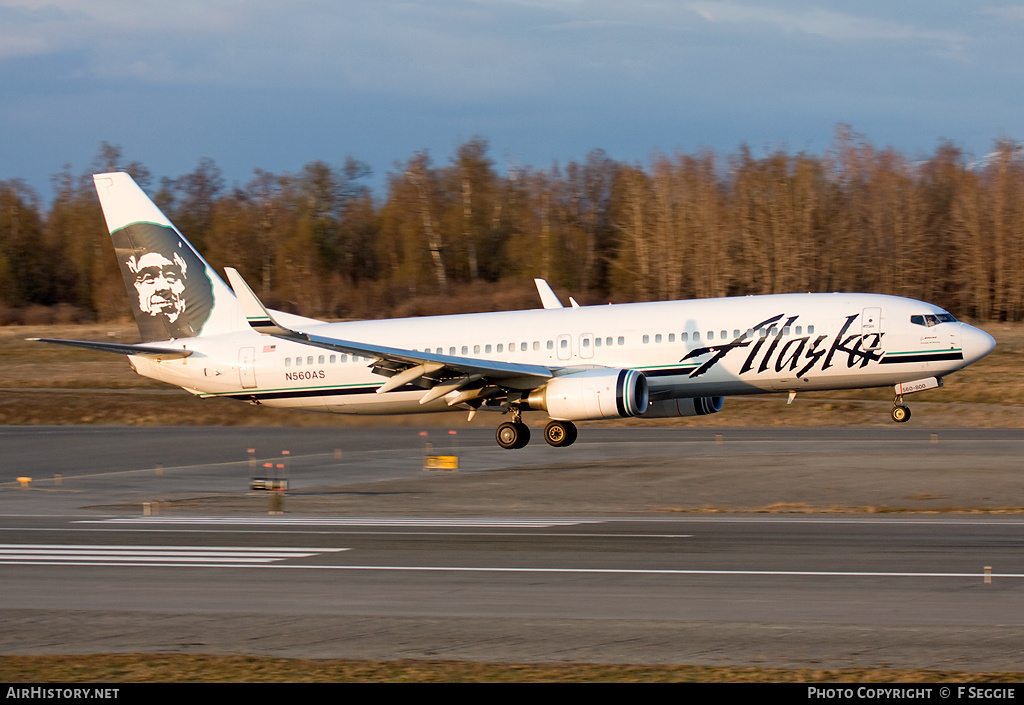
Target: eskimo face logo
point(160, 284)
point(169, 285)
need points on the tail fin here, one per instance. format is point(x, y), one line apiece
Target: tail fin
point(174, 293)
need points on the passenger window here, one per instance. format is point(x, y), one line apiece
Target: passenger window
point(563, 344)
point(551, 345)
point(465, 350)
point(622, 340)
point(487, 348)
point(810, 330)
point(287, 362)
point(671, 337)
point(309, 360)
point(501, 347)
point(696, 336)
point(608, 341)
point(298, 362)
point(646, 339)
point(597, 342)
point(334, 358)
point(657, 338)
point(523, 346)
point(536, 345)
point(684, 337)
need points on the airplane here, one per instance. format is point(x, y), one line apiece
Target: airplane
point(577, 363)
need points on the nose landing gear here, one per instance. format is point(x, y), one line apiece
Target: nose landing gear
point(900, 412)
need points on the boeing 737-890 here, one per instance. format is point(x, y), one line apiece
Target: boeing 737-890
point(647, 360)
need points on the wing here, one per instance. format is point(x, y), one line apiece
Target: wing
point(442, 374)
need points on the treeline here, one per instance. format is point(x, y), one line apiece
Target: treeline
point(857, 218)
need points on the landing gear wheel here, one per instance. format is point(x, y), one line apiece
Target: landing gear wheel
point(901, 414)
point(560, 433)
point(511, 435)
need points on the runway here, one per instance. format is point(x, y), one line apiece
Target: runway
point(473, 566)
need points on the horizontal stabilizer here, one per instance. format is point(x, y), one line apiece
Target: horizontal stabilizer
point(149, 351)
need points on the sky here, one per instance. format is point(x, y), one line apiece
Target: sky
point(272, 85)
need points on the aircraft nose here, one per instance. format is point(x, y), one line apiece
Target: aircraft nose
point(976, 343)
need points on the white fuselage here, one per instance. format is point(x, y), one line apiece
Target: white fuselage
point(695, 348)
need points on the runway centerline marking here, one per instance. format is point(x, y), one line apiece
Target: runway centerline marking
point(272, 557)
point(342, 531)
point(195, 556)
point(652, 571)
point(453, 522)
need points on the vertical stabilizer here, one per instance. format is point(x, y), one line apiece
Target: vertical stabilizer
point(173, 292)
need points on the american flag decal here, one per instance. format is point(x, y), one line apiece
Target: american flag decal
point(269, 348)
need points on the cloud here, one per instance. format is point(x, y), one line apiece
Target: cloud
point(816, 21)
point(444, 48)
point(1010, 13)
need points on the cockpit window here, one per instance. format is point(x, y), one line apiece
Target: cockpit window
point(932, 319)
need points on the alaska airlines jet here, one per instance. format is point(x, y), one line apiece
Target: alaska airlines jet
point(647, 360)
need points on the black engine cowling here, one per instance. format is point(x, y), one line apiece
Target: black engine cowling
point(695, 406)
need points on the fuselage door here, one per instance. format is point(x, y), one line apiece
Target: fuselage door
point(587, 345)
point(564, 344)
point(246, 371)
point(871, 328)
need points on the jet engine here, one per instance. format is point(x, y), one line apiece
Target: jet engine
point(602, 393)
point(696, 406)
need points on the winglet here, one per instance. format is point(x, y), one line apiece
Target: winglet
point(547, 296)
point(255, 312)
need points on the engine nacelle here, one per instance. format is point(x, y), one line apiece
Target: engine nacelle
point(603, 393)
point(697, 406)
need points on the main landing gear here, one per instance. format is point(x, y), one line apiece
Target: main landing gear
point(515, 434)
point(900, 412)
point(560, 433)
